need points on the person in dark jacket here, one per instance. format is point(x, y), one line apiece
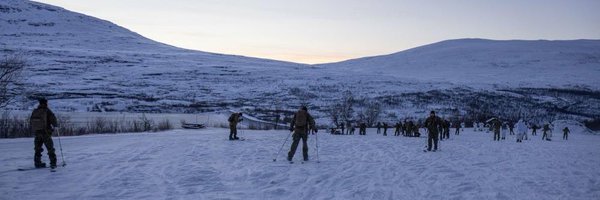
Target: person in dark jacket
point(385, 128)
point(398, 128)
point(378, 127)
point(363, 129)
point(566, 132)
point(433, 124)
point(496, 126)
point(234, 119)
point(300, 125)
point(43, 122)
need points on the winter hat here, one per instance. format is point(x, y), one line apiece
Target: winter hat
point(43, 101)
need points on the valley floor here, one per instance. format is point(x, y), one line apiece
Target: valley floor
point(203, 164)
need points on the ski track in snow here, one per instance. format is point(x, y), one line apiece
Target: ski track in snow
point(203, 164)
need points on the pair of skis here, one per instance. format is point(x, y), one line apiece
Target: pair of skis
point(34, 168)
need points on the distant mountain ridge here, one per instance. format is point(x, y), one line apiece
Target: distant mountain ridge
point(558, 63)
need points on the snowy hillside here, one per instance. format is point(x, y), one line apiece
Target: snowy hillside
point(513, 63)
point(82, 63)
point(203, 164)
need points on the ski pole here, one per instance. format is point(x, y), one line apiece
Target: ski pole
point(278, 151)
point(61, 149)
point(317, 141)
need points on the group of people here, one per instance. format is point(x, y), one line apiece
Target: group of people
point(43, 123)
point(407, 129)
point(500, 130)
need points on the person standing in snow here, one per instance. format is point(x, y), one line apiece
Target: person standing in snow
point(363, 129)
point(534, 128)
point(385, 128)
point(433, 124)
point(342, 127)
point(446, 125)
point(378, 127)
point(42, 123)
point(348, 127)
point(511, 126)
point(566, 132)
point(397, 130)
point(521, 130)
point(504, 130)
point(496, 125)
point(234, 119)
point(300, 125)
point(457, 126)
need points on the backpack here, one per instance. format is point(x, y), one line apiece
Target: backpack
point(301, 118)
point(38, 120)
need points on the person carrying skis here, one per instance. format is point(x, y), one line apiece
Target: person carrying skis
point(234, 119)
point(42, 123)
point(521, 130)
point(433, 124)
point(300, 125)
point(566, 132)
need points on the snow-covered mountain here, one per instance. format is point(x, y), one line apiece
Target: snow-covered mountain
point(84, 63)
point(517, 63)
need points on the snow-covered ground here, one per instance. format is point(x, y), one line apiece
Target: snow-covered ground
point(203, 164)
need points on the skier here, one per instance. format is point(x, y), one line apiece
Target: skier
point(432, 123)
point(385, 127)
point(342, 127)
point(496, 125)
point(378, 127)
point(521, 130)
point(43, 122)
point(300, 125)
point(234, 119)
point(352, 129)
point(545, 130)
point(566, 132)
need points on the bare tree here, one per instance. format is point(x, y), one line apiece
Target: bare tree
point(371, 112)
point(11, 67)
point(347, 105)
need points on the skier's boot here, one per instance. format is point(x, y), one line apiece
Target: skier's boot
point(236, 138)
point(305, 159)
point(40, 165)
point(52, 166)
point(289, 159)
